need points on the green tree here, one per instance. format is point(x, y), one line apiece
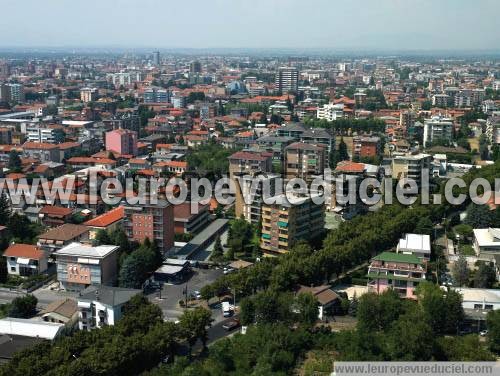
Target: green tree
point(23, 307)
point(307, 307)
point(217, 253)
point(14, 164)
point(194, 324)
point(493, 324)
point(460, 271)
point(378, 312)
point(5, 211)
point(479, 216)
point(484, 276)
point(424, 226)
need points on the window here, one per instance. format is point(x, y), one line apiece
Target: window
point(488, 306)
point(12, 268)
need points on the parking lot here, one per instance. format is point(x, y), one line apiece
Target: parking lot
point(171, 294)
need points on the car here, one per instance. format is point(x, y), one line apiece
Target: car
point(196, 294)
point(483, 333)
point(231, 324)
point(228, 270)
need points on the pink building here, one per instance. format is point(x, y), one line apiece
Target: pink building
point(122, 141)
point(401, 272)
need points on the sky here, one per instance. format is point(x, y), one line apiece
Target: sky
point(329, 24)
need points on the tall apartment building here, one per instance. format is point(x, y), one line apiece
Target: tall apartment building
point(287, 79)
point(397, 271)
point(246, 162)
point(122, 141)
point(440, 100)
point(88, 94)
point(303, 160)
point(251, 189)
point(125, 78)
point(289, 220)
point(156, 58)
point(299, 132)
point(81, 265)
point(437, 128)
point(16, 93)
point(156, 95)
point(4, 93)
point(407, 118)
point(195, 67)
point(411, 167)
point(153, 221)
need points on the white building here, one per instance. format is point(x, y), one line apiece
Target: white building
point(487, 242)
point(25, 260)
point(479, 299)
point(330, 111)
point(437, 128)
point(287, 79)
point(102, 305)
point(415, 244)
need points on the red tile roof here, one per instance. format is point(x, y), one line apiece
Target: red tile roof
point(107, 219)
point(24, 250)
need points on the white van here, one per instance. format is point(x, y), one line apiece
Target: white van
point(226, 309)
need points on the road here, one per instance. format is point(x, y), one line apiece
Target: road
point(44, 296)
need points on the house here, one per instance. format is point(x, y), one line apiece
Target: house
point(99, 306)
point(53, 216)
point(61, 236)
point(30, 328)
point(398, 271)
point(486, 242)
point(62, 311)
point(108, 221)
point(417, 245)
point(329, 300)
point(25, 260)
point(81, 265)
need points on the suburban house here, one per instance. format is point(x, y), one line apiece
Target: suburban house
point(25, 260)
point(81, 265)
point(102, 305)
point(328, 299)
point(487, 242)
point(61, 236)
point(398, 271)
point(415, 244)
point(53, 216)
point(108, 221)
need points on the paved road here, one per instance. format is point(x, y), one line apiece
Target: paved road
point(171, 294)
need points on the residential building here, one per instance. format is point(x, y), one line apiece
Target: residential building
point(156, 95)
point(287, 79)
point(300, 132)
point(187, 221)
point(288, 220)
point(88, 94)
point(109, 221)
point(54, 216)
point(441, 100)
point(100, 306)
point(304, 161)
point(16, 93)
point(59, 237)
point(397, 271)
point(437, 129)
point(62, 311)
point(330, 111)
point(122, 141)
point(366, 147)
point(486, 242)
point(25, 260)
point(42, 151)
point(246, 162)
point(80, 265)
point(251, 190)
point(415, 244)
point(412, 166)
point(152, 221)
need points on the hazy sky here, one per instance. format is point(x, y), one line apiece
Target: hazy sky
point(346, 24)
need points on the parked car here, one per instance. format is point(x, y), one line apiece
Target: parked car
point(196, 294)
point(228, 270)
point(483, 333)
point(231, 324)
